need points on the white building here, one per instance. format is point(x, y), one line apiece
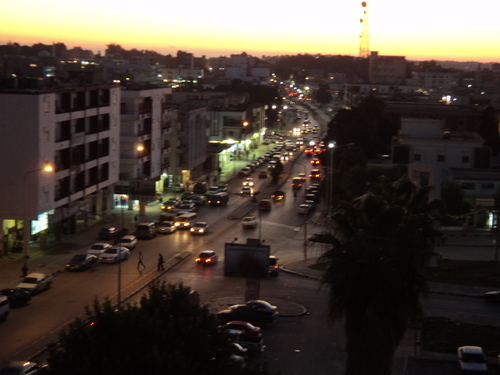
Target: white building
point(76, 131)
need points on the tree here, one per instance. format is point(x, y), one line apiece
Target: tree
point(322, 95)
point(276, 172)
point(378, 243)
point(165, 334)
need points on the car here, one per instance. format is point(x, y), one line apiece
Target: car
point(248, 181)
point(170, 204)
point(108, 233)
point(304, 209)
point(16, 297)
point(178, 188)
point(98, 248)
point(262, 306)
point(213, 190)
point(166, 227)
point(222, 187)
point(247, 329)
point(187, 207)
point(188, 195)
point(200, 227)
point(207, 257)
point(244, 172)
point(249, 222)
point(81, 262)
point(278, 195)
point(114, 254)
point(303, 176)
point(129, 241)
point(263, 174)
point(199, 200)
point(273, 266)
point(471, 360)
point(265, 205)
point(493, 296)
point(245, 313)
point(24, 368)
point(315, 162)
point(246, 191)
point(271, 164)
point(252, 344)
point(315, 174)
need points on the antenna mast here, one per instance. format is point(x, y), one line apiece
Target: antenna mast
point(364, 38)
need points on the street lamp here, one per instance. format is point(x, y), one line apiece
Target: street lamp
point(329, 186)
point(27, 223)
point(120, 233)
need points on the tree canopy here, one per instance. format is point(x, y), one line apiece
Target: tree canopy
point(165, 334)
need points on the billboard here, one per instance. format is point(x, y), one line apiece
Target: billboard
point(246, 260)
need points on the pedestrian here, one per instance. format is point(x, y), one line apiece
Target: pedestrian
point(295, 195)
point(25, 269)
point(136, 218)
point(160, 263)
point(141, 263)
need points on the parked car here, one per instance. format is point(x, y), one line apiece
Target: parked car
point(249, 222)
point(98, 248)
point(24, 368)
point(81, 262)
point(188, 195)
point(246, 328)
point(245, 313)
point(199, 227)
point(199, 200)
point(4, 308)
point(207, 257)
point(129, 241)
point(16, 297)
point(166, 227)
point(263, 306)
point(36, 282)
point(114, 254)
point(253, 344)
point(493, 296)
point(471, 360)
point(108, 233)
point(304, 209)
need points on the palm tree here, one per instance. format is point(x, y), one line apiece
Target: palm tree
point(378, 243)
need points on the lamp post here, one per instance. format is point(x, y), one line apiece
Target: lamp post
point(26, 221)
point(121, 231)
point(329, 186)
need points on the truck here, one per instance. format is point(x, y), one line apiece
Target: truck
point(218, 199)
point(36, 282)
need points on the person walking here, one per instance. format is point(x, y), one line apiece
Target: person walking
point(160, 263)
point(141, 263)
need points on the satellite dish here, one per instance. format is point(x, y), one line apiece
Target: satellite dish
point(364, 4)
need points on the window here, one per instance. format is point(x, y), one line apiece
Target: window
point(487, 186)
point(417, 157)
point(468, 185)
point(440, 158)
point(465, 159)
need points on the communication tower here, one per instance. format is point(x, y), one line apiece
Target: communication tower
point(364, 38)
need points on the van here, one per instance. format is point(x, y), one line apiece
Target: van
point(145, 231)
point(218, 199)
point(185, 221)
point(4, 307)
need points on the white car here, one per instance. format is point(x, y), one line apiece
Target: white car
point(472, 360)
point(248, 182)
point(98, 248)
point(129, 241)
point(249, 222)
point(199, 227)
point(164, 227)
point(304, 209)
point(114, 254)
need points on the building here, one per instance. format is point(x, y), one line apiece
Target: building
point(145, 135)
point(389, 70)
point(77, 132)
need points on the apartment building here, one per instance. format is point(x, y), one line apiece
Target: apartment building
point(145, 152)
point(76, 132)
point(389, 70)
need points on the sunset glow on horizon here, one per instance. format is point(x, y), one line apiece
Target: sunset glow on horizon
point(425, 30)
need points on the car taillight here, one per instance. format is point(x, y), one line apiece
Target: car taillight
point(208, 260)
point(197, 260)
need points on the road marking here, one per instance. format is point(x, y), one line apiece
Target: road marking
point(281, 225)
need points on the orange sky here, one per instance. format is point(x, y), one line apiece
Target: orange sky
point(424, 30)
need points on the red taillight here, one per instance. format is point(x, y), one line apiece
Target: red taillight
point(197, 260)
point(208, 260)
